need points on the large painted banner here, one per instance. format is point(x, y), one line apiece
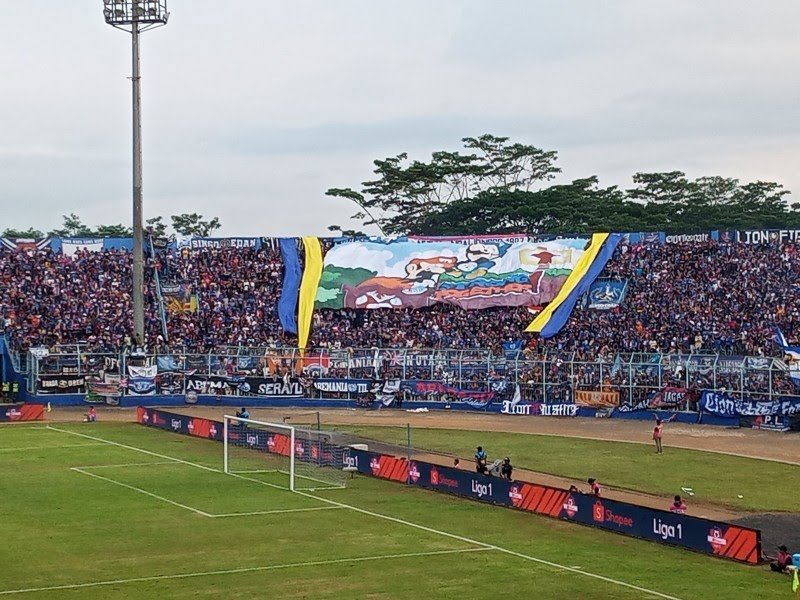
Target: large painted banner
point(403, 273)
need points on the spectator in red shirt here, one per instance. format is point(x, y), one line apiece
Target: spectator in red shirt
point(678, 506)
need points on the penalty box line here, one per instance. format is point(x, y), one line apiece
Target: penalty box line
point(175, 461)
point(313, 563)
point(484, 545)
point(191, 508)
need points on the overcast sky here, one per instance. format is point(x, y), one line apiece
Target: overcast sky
point(253, 108)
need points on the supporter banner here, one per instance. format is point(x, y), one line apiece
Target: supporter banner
point(148, 371)
point(309, 284)
point(768, 236)
point(607, 294)
point(236, 242)
point(554, 316)
point(769, 422)
point(179, 298)
point(791, 355)
point(108, 387)
point(70, 246)
point(170, 383)
point(274, 387)
point(671, 397)
point(723, 405)
point(512, 349)
point(476, 399)
point(703, 535)
point(687, 238)
point(24, 244)
point(290, 290)
point(60, 384)
point(386, 391)
point(344, 386)
point(141, 380)
point(211, 384)
point(22, 412)
point(403, 273)
point(643, 237)
point(597, 399)
point(539, 409)
point(170, 363)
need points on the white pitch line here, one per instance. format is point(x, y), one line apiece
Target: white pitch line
point(27, 448)
point(276, 512)
point(403, 522)
point(135, 449)
point(166, 462)
point(313, 563)
point(141, 491)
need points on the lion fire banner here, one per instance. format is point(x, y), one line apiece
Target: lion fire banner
point(472, 273)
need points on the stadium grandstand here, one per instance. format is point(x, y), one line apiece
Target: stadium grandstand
point(662, 314)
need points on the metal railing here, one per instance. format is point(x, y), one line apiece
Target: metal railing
point(549, 378)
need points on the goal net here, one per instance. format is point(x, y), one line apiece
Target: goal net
point(284, 455)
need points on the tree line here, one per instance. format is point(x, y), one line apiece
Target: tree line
point(498, 186)
point(187, 224)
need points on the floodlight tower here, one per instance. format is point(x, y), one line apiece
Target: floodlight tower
point(135, 17)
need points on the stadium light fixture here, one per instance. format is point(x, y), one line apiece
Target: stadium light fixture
point(135, 17)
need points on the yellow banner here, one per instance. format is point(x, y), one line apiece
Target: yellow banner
point(598, 239)
point(308, 289)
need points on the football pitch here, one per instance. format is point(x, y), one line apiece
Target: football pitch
point(116, 510)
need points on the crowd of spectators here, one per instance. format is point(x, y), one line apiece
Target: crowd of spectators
point(681, 298)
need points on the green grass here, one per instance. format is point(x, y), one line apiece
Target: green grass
point(717, 478)
point(63, 527)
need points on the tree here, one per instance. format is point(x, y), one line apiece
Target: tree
point(194, 225)
point(156, 227)
point(493, 190)
point(29, 233)
point(72, 227)
point(406, 192)
point(113, 231)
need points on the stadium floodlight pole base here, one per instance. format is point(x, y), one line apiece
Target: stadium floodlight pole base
point(286, 430)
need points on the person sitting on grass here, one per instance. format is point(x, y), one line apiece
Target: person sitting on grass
point(91, 415)
point(678, 506)
point(506, 469)
point(781, 562)
point(595, 485)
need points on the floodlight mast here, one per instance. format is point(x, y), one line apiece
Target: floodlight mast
point(135, 17)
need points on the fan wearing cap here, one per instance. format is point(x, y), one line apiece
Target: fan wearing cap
point(781, 562)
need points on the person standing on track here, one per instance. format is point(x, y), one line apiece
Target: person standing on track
point(658, 432)
point(480, 460)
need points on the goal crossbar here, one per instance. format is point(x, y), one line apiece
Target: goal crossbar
point(310, 457)
point(280, 426)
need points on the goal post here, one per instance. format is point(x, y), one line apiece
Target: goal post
point(310, 459)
